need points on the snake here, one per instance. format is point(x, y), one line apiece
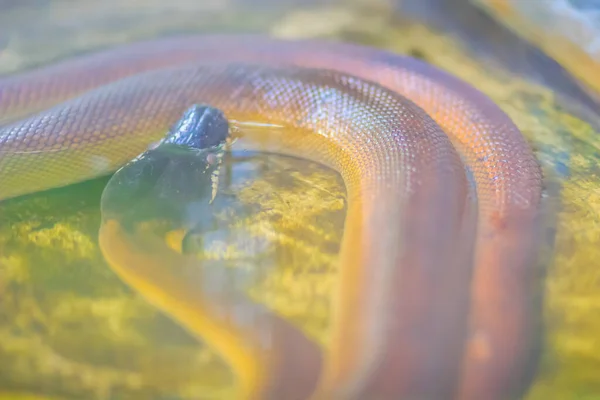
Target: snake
point(443, 193)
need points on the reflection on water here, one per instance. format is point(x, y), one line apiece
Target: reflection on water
point(166, 232)
point(74, 329)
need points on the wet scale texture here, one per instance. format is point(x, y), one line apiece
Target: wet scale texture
point(401, 307)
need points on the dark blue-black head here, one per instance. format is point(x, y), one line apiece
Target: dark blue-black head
point(201, 127)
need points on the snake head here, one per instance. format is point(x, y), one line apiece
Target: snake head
point(201, 128)
point(174, 180)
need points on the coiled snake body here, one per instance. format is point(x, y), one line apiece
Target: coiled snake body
point(435, 282)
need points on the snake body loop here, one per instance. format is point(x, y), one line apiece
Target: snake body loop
point(431, 277)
